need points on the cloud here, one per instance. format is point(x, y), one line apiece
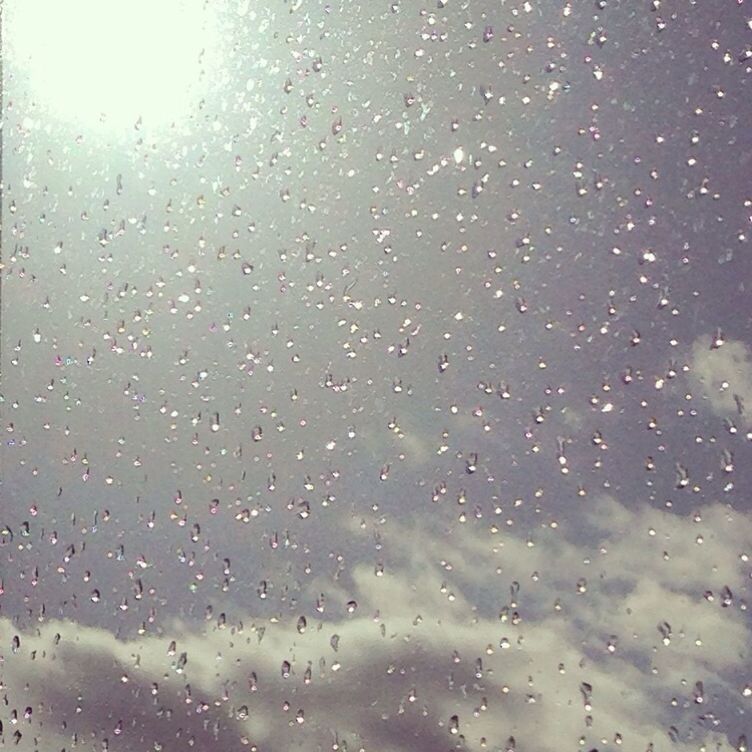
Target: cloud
point(724, 374)
point(591, 636)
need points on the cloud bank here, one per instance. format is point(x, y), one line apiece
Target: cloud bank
point(627, 631)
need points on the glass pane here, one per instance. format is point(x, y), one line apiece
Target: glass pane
point(375, 376)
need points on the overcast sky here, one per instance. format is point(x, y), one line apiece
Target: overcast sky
point(394, 395)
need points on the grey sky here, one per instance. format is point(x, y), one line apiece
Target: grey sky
point(428, 325)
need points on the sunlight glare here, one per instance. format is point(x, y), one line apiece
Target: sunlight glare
point(113, 61)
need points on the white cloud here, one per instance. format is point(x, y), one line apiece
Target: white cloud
point(425, 644)
point(724, 374)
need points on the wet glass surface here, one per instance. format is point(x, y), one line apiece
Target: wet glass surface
point(376, 376)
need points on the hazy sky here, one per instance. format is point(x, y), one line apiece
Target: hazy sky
point(393, 393)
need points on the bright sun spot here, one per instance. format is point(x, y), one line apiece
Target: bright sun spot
point(113, 61)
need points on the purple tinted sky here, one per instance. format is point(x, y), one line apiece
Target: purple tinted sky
point(312, 339)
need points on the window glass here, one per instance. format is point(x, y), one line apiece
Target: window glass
point(376, 376)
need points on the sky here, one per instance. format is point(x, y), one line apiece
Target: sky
point(377, 379)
